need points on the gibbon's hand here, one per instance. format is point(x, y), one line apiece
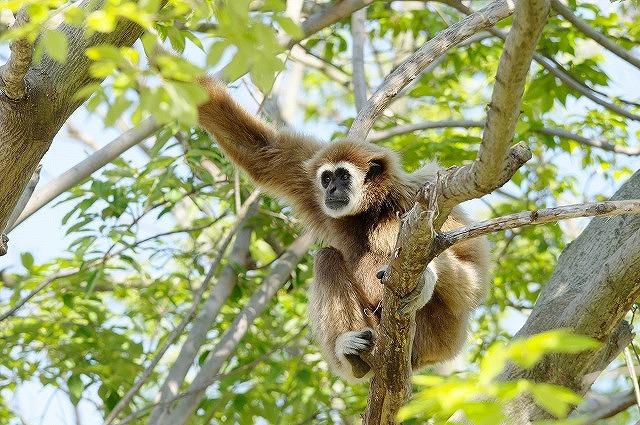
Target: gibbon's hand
point(349, 346)
point(422, 293)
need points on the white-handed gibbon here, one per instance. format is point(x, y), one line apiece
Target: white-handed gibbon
point(350, 195)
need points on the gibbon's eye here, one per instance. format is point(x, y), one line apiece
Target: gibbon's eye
point(325, 178)
point(345, 176)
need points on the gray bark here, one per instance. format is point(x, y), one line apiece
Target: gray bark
point(594, 285)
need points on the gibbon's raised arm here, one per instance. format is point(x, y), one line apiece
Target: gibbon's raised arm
point(273, 159)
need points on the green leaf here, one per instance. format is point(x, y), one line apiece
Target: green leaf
point(56, 45)
point(75, 387)
point(27, 260)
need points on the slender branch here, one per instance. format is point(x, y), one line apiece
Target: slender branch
point(541, 216)
point(358, 39)
point(14, 71)
point(240, 326)
point(226, 281)
point(555, 69)
point(249, 204)
point(85, 168)
point(597, 408)
point(594, 34)
point(24, 198)
point(36, 290)
point(380, 135)
point(418, 61)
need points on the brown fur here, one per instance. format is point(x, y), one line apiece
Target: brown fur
point(345, 290)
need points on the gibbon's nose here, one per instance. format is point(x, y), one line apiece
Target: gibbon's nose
point(331, 189)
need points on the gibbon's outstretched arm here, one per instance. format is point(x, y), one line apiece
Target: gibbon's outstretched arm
point(273, 159)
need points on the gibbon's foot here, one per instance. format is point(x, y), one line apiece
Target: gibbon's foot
point(421, 294)
point(350, 344)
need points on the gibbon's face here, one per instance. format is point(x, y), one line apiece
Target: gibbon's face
point(343, 185)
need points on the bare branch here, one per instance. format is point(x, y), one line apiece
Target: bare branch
point(331, 15)
point(14, 71)
point(541, 216)
point(597, 408)
point(358, 39)
point(24, 198)
point(418, 61)
point(594, 34)
point(378, 136)
point(88, 166)
point(240, 326)
point(226, 281)
point(249, 205)
point(555, 69)
point(35, 291)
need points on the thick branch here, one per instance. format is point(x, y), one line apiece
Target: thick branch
point(24, 198)
point(331, 15)
point(596, 281)
point(418, 61)
point(416, 246)
point(28, 127)
point(88, 166)
point(378, 136)
point(240, 326)
point(594, 34)
point(15, 70)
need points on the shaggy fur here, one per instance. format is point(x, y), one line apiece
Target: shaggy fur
point(345, 291)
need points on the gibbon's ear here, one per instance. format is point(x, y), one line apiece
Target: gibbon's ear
point(376, 167)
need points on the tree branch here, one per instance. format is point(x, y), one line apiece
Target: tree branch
point(601, 407)
point(358, 39)
point(197, 336)
point(541, 216)
point(555, 69)
point(15, 70)
point(240, 326)
point(416, 246)
point(246, 209)
point(594, 284)
point(380, 135)
point(418, 61)
point(89, 165)
point(594, 34)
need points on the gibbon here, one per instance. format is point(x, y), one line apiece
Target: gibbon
point(351, 195)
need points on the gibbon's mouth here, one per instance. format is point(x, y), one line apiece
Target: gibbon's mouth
point(336, 203)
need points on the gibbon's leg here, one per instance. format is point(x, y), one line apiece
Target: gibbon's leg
point(337, 318)
point(442, 324)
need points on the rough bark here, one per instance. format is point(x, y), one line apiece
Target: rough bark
point(28, 126)
point(595, 283)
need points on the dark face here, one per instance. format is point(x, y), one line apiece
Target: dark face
point(337, 188)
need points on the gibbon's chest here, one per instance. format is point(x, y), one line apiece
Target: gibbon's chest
point(367, 253)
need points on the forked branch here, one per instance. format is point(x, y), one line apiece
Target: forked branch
point(416, 246)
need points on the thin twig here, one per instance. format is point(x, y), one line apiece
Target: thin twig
point(358, 40)
point(594, 34)
point(36, 290)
